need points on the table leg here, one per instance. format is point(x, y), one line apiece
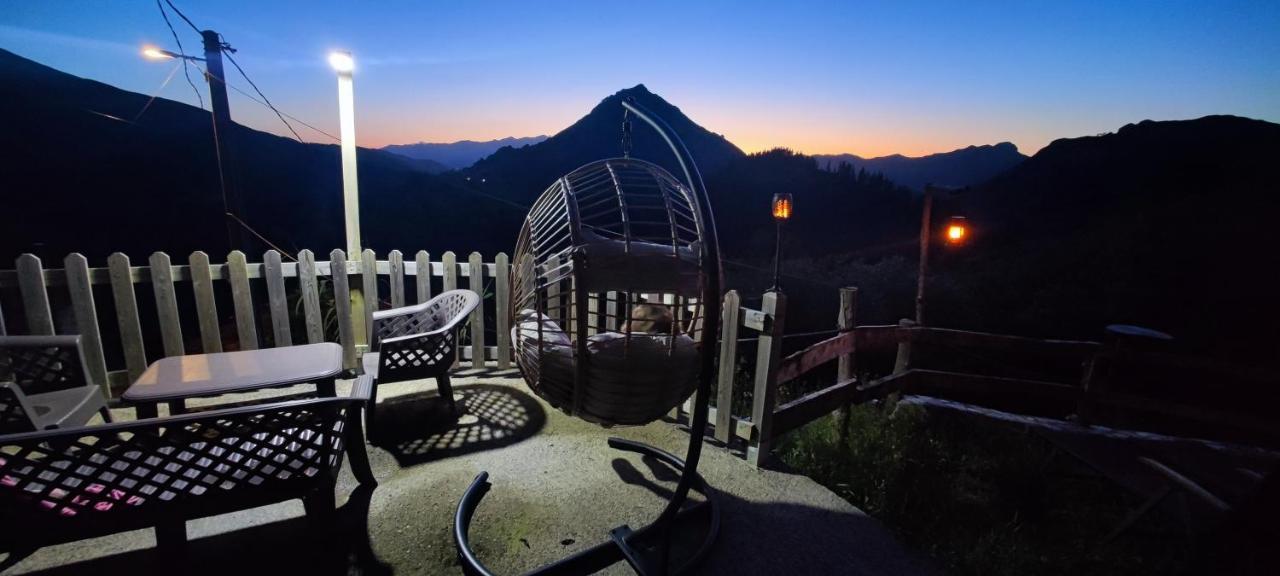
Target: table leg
point(326, 388)
point(177, 407)
point(146, 410)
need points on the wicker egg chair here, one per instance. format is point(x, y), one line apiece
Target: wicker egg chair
point(607, 293)
point(615, 269)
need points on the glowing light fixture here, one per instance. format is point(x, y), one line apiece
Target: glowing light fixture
point(153, 53)
point(957, 230)
point(342, 62)
point(782, 206)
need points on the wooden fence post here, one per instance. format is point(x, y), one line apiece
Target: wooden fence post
point(502, 308)
point(342, 301)
point(135, 355)
point(86, 312)
point(206, 305)
point(369, 284)
point(768, 357)
point(395, 261)
point(847, 364)
point(310, 294)
point(166, 304)
point(724, 429)
point(903, 361)
point(242, 299)
point(475, 281)
point(277, 299)
point(423, 279)
point(35, 296)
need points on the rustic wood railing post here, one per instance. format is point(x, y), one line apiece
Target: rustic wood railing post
point(310, 294)
point(768, 357)
point(846, 369)
point(903, 362)
point(730, 314)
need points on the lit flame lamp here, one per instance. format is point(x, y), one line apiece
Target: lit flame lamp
point(782, 207)
point(957, 230)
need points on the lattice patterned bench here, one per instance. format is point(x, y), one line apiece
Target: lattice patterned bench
point(66, 485)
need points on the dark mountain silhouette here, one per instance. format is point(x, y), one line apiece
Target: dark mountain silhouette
point(460, 154)
point(1165, 224)
point(963, 167)
point(522, 173)
point(89, 171)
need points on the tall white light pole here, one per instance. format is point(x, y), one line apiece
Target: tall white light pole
point(344, 65)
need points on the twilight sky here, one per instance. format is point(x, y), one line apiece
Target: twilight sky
point(819, 77)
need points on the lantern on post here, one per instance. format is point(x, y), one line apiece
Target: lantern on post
point(957, 230)
point(781, 213)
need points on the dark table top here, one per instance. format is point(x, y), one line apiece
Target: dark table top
point(178, 377)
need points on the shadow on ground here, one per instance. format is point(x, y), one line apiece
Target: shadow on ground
point(293, 546)
point(419, 428)
point(775, 538)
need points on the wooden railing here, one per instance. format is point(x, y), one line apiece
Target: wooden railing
point(73, 286)
point(1085, 392)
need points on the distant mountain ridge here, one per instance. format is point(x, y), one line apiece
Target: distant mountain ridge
point(522, 173)
point(962, 167)
point(460, 154)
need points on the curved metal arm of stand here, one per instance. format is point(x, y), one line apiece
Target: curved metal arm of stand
point(606, 553)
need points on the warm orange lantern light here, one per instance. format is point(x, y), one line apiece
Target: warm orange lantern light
point(781, 206)
point(957, 230)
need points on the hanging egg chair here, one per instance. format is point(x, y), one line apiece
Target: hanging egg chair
point(616, 297)
point(607, 293)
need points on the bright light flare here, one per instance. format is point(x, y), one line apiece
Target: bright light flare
point(957, 230)
point(782, 206)
point(153, 53)
point(342, 61)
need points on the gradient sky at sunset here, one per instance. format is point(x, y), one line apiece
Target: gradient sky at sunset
point(819, 77)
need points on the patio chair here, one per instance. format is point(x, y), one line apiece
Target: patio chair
point(60, 486)
point(416, 342)
point(44, 384)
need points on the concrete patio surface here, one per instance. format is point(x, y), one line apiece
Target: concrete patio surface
point(557, 488)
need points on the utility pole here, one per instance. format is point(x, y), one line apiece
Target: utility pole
point(223, 134)
point(924, 251)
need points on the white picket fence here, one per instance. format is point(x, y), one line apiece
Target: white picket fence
point(37, 284)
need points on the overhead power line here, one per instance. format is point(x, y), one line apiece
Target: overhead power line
point(286, 114)
point(181, 52)
point(266, 101)
point(181, 15)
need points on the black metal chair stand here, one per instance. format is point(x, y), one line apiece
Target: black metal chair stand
point(648, 549)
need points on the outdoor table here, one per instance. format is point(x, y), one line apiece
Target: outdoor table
point(176, 378)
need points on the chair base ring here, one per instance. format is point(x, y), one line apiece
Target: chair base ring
point(642, 549)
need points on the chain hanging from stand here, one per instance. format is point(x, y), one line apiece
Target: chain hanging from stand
point(626, 133)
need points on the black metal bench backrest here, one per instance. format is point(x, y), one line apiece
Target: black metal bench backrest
point(102, 479)
point(402, 356)
point(40, 364)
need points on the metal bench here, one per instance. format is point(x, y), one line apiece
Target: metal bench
point(64, 485)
